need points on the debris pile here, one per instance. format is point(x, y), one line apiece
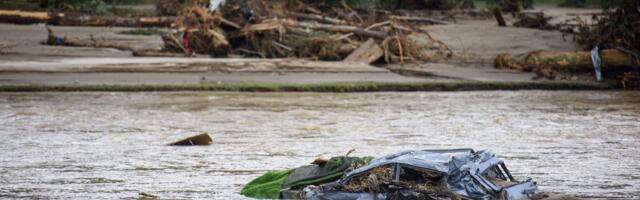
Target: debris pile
point(564, 65)
point(426, 174)
point(619, 27)
point(612, 46)
point(254, 28)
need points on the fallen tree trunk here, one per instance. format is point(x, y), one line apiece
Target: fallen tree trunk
point(549, 63)
point(21, 17)
point(581, 61)
point(77, 19)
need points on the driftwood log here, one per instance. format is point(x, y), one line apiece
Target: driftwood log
point(580, 61)
point(77, 19)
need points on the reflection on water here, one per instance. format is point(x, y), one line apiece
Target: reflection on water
point(112, 145)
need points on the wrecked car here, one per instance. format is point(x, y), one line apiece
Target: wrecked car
point(421, 174)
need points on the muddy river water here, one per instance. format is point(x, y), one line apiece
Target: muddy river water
point(113, 145)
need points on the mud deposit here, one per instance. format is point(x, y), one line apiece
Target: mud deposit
point(113, 145)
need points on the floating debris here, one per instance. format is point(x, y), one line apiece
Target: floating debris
point(420, 174)
point(202, 139)
point(146, 196)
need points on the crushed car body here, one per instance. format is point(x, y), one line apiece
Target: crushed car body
point(423, 174)
point(428, 174)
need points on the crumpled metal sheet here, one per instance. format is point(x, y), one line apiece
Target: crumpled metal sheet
point(462, 170)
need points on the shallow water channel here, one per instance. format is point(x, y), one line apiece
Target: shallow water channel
point(113, 145)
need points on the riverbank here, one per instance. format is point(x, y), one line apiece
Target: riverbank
point(29, 65)
point(325, 87)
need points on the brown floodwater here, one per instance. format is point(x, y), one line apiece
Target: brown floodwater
point(113, 145)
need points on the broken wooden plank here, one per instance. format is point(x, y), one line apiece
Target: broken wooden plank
point(368, 53)
point(202, 139)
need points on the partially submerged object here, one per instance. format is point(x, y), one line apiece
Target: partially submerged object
point(420, 174)
point(202, 139)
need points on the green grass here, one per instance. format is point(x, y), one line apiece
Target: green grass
point(327, 87)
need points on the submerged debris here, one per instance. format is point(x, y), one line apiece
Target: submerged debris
point(420, 174)
point(202, 139)
point(146, 196)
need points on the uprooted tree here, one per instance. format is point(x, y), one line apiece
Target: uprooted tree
point(616, 33)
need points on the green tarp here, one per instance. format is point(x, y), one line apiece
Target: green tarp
point(269, 185)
